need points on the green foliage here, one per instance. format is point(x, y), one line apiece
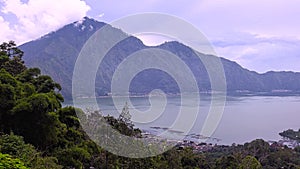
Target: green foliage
point(34, 119)
point(74, 157)
point(250, 162)
point(7, 97)
point(291, 134)
point(10, 50)
point(7, 78)
point(16, 147)
point(46, 162)
point(122, 127)
point(227, 162)
point(29, 75)
point(29, 107)
point(7, 91)
point(258, 148)
point(7, 162)
point(11, 58)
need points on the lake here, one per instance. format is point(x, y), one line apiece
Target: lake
point(245, 118)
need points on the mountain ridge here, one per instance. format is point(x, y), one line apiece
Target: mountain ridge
point(56, 53)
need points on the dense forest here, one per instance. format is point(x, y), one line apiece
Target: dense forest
point(37, 132)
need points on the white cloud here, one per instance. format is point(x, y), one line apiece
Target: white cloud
point(154, 39)
point(263, 54)
point(259, 35)
point(245, 31)
point(5, 32)
point(38, 17)
point(101, 15)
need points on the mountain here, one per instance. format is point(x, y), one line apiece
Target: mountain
point(56, 53)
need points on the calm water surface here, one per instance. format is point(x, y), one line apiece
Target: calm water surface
point(244, 118)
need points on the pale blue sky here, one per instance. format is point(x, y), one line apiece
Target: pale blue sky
point(259, 35)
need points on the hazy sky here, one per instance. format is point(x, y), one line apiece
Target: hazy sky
point(260, 35)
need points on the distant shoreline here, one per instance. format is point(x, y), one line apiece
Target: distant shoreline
point(234, 93)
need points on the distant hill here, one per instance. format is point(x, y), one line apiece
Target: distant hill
point(56, 53)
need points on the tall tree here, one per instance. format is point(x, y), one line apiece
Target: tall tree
point(125, 116)
point(11, 58)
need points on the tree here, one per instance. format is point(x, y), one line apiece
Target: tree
point(6, 161)
point(250, 162)
point(8, 97)
point(15, 147)
point(34, 118)
point(125, 116)
point(227, 162)
point(258, 148)
point(291, 134)
point(77, 157)
point(10, 49)
point(11, 58)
